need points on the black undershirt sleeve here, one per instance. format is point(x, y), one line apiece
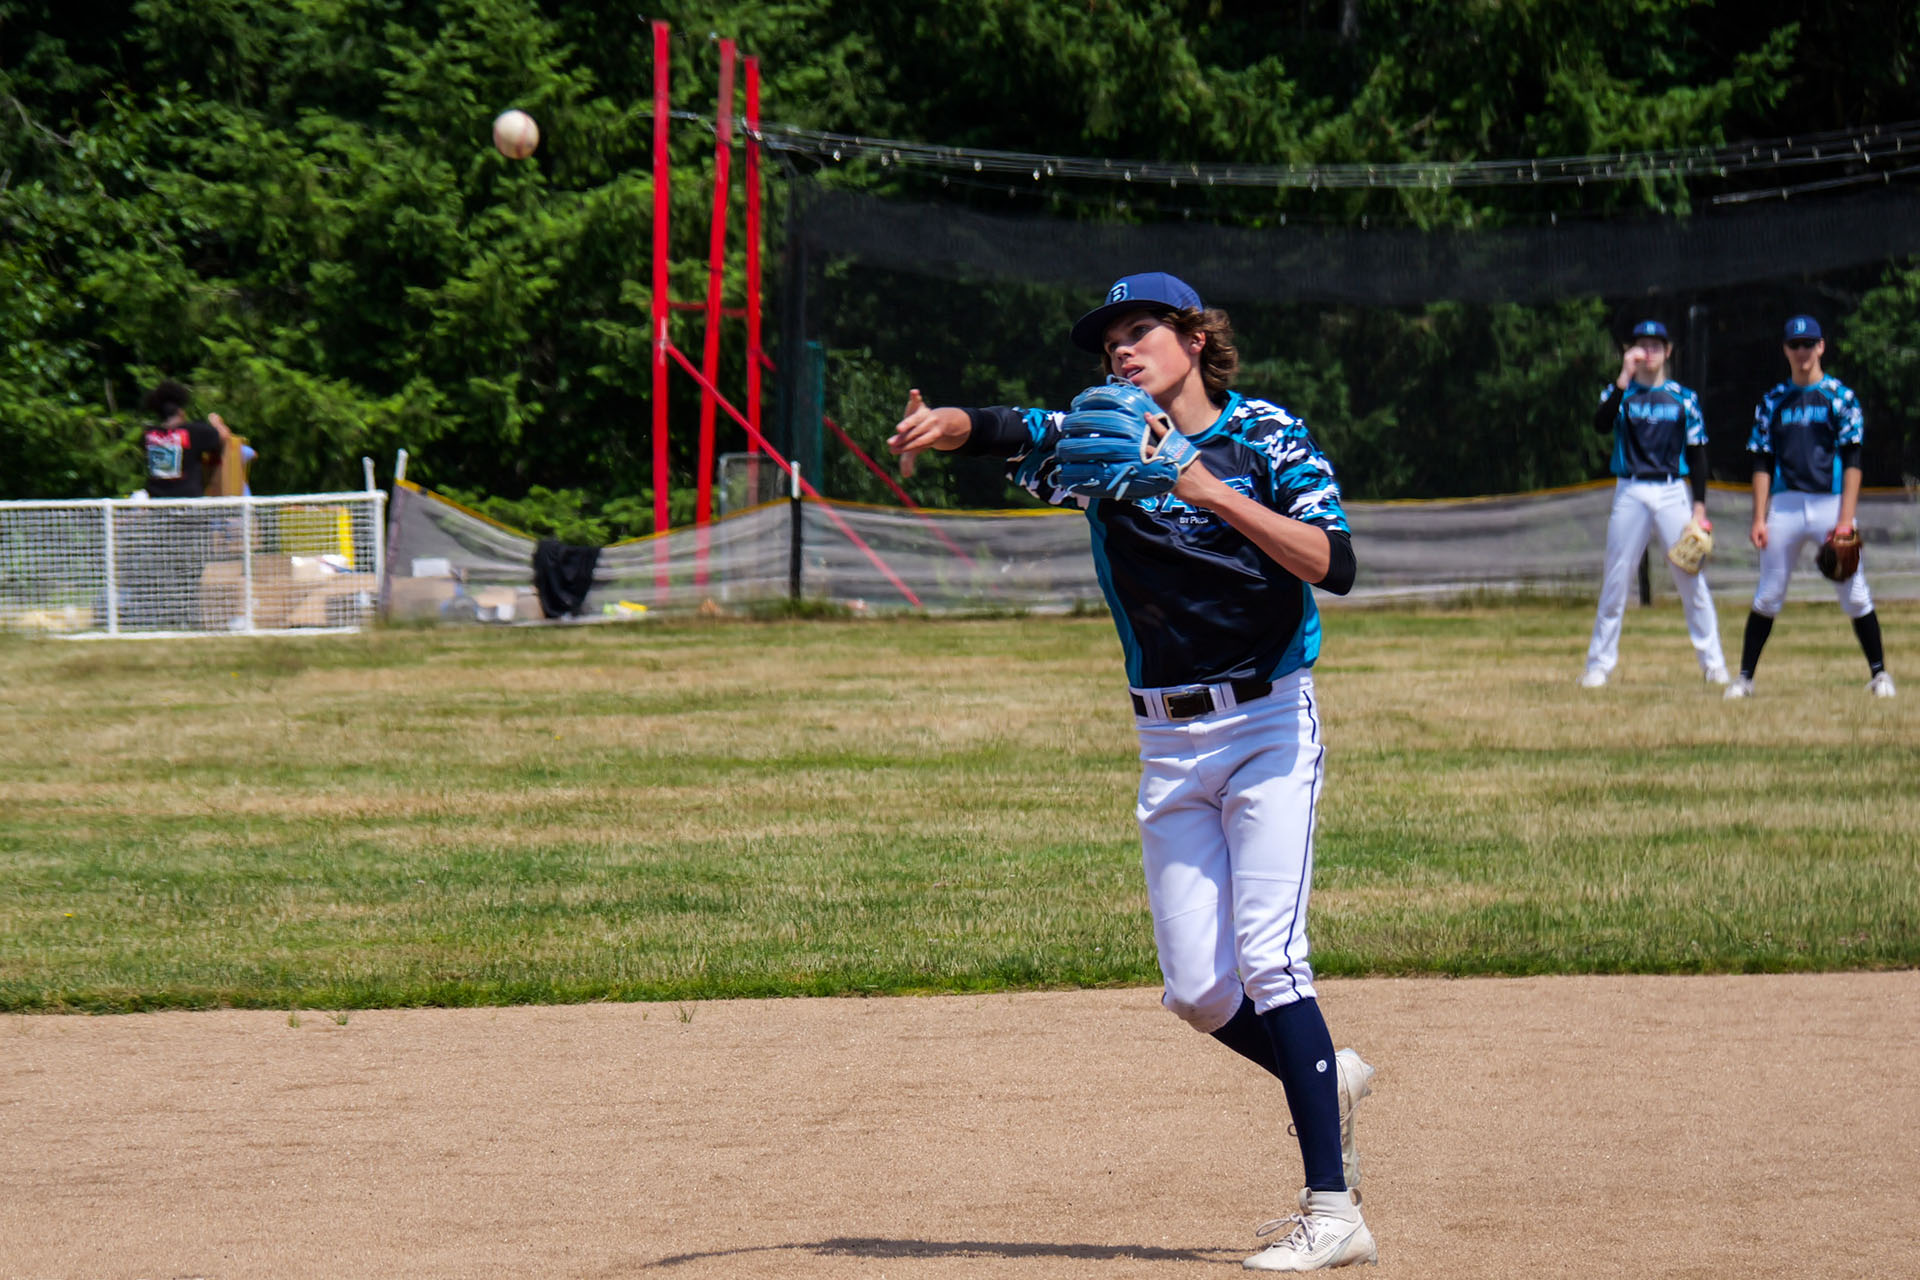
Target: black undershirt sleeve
point(1697, 471)
point(998, 432)
point(1609, 411)
point(1762, 462)
point(1850, 457)
point(1341, 566)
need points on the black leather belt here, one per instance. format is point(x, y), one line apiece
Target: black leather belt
point(1185, 704)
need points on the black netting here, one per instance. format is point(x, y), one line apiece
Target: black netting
point(1429, 365)
point(1389, 267)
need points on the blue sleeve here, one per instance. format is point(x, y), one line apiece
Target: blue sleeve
point(1696, 420)
point(1849, 424)
point(1303, 486)
point(1026, 438)
point(1761, 438)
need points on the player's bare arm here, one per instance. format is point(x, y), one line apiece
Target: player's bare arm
point(1762, 486)
point(1300, 548)
point(1849, 497)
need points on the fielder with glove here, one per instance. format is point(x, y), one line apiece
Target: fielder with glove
point(1660, 457)
point(1805, 445)
point(1214, 516)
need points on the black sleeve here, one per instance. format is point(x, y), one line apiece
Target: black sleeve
point(1341, 566)
point(998, 432)
point(1609, 411)
point(1697, 471)
point(1762, 462)
point(202, 437)
point(1850, 456)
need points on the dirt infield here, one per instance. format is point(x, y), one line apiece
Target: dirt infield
point(1695, 1127)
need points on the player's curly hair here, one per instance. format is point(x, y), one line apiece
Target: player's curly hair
point(167, 399)
point(1219, 359)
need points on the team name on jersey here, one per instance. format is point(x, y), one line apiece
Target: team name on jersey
point(1646, 410)
point(1184, 512)
point(1799, 414)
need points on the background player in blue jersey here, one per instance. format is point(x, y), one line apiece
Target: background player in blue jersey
point(1805, 444)
point(1211, 588)
point(1660, 456)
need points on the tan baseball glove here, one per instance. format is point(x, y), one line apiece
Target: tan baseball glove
point(1691, 547)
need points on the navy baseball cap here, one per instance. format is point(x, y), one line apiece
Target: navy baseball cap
point(1651, 329)
point(1148, 291)
point(1802, 327)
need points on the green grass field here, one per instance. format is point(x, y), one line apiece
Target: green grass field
point(687, 810)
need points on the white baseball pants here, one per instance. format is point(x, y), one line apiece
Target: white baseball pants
point(1640, 508)
point(1226, 814)
point(1793, 521)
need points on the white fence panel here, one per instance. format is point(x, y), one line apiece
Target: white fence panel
point(193, 566)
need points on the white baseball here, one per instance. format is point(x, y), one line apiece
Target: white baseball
point(515, 134)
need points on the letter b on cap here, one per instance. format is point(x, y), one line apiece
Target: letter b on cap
point(1118, 293)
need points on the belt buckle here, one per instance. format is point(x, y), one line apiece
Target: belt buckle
point(1187, 703)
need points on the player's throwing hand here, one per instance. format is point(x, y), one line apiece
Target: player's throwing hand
point(921, 428)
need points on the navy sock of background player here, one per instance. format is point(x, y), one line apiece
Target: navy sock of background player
point(1806, 443)
point(1210, 590)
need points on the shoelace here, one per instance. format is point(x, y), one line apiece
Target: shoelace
point(1301, 1237)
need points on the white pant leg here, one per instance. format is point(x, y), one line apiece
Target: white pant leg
point(1673, 509)
point(1268, 810)
point(1183, 851)
point(1786, 530)
point(1226, 830)
point(1628, 527)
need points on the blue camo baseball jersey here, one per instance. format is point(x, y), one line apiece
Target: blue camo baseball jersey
point(1805, 428)
point(1194, 600)
point(1652, 429)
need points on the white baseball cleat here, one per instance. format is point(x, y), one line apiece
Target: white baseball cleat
point(1327, 1232)
point(1718, 675)
point(1742, 687)
point(1881, 686)
point(1356, 1082)
point(1593, 678)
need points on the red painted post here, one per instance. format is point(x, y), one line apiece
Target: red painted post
point(662, 107)
point(753, 253)
point(716, 285)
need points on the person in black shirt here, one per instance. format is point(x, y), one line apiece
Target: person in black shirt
point(165, 549)
point(177, 451)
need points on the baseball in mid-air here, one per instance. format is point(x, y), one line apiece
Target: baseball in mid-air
point(515, 134)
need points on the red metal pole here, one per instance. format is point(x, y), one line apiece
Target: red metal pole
point(661, 109)
point(716, 285)
point(753, 252)
point(873, 557)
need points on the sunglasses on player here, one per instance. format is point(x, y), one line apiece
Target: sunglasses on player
point(1803, 344)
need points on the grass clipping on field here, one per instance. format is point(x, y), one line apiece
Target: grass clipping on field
point(712, 809)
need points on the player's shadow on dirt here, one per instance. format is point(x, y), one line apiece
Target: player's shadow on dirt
point(876, 1247)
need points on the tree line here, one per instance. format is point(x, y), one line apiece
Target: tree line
point(294, 208)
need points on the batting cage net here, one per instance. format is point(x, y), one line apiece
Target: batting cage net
point(1428, 364)
point(452, 563)
point(192, 566)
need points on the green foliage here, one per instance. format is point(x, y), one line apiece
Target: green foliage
point(1883, 346)
point(293, 207)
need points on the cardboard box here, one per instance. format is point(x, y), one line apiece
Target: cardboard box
point(412, 599)
point(342, 600)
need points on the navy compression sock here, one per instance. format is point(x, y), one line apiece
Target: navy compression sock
point(1304, 1051)
point(1759, 627)
point(1247, 1036)
point(1867, 628)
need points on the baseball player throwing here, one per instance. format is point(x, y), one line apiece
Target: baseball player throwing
point(1660, 457)
point(1806, 454)
point(1211, 587)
